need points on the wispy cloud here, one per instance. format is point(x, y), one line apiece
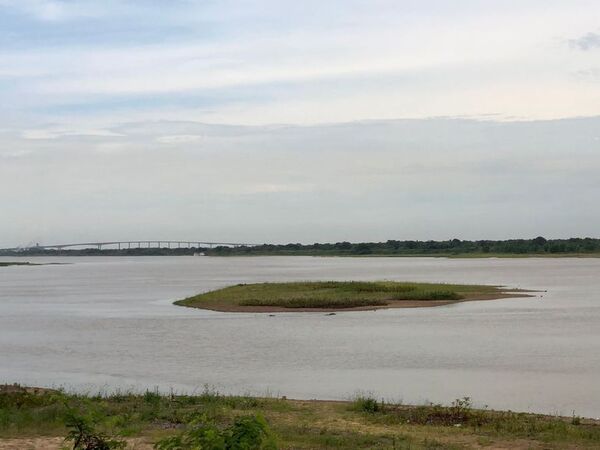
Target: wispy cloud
point(589, 75)
point(261, 62)
point(589, 41)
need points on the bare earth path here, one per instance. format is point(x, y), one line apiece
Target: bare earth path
point(58, 443)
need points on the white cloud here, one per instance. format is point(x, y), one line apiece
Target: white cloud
point(57, 132)
point(588, 41)
point(54, 10)
point(179, 139)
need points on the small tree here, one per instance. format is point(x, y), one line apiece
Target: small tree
point(85, 437)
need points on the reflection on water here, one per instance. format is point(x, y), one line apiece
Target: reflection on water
point(107, 322)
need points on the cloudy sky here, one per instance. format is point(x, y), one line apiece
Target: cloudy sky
point(278, 121)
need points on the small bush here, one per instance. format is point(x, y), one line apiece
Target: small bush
point(248, 433)
point(152, 397)
point(367, 404)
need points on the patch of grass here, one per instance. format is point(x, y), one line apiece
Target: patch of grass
point(335, 295)
point(430, 295)
point(303, 436)
point(314, 302)
point(459, 413)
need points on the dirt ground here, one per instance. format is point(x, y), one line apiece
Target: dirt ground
point(58, 443)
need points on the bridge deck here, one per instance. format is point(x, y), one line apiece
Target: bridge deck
point(138, 243)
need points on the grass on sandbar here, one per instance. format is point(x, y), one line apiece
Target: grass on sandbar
point(331, 294)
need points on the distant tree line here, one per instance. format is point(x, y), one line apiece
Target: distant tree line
point(537, 246)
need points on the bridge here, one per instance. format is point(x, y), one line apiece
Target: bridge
point(131, 244)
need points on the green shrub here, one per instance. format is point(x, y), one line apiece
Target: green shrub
point(367, 404)
point(246, 433)
point(200, 434)
point(152, 397)
point(249, 433)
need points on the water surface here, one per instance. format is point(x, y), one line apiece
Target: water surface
point(108, 322)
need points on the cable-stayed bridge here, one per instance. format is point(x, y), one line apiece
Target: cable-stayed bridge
point(131, 244)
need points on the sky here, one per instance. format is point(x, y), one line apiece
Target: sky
point(279, 121)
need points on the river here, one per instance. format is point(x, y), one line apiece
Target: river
point(106, 323)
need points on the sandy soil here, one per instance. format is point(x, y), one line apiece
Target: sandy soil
point(58, 443)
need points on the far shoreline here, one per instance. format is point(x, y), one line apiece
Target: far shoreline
point(125, 253)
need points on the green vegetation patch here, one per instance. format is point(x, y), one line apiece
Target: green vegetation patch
point(332, 295)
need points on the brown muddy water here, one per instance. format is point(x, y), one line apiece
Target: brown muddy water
point(106, 323)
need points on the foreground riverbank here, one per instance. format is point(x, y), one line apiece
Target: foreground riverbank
point(341, 296)
point(38, 418)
